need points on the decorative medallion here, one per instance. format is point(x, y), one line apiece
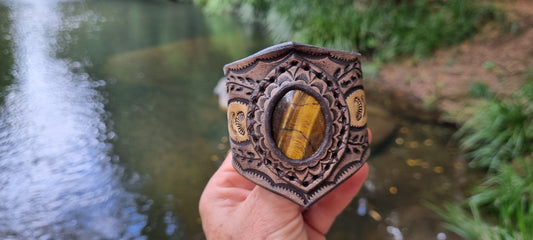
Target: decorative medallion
point(297, 119)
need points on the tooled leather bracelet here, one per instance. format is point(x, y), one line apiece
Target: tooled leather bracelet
point(297, 119)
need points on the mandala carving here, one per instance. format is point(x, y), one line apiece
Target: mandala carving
point(297, 119)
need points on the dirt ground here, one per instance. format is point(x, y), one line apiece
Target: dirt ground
point(495, 57)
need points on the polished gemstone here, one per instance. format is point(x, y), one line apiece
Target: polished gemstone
point(298, 125)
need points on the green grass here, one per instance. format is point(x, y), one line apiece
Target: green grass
point(499, 138)
point(502, 129)
point(501, 208)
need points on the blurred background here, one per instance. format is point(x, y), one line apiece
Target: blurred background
point(110, 123)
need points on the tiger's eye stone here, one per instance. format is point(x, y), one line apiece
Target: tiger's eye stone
point(298, 125)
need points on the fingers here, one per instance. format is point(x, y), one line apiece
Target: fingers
point(321, 215)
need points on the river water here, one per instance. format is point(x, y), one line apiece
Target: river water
point(109, 128)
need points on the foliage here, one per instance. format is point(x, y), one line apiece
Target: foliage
point(499, 137)
point(384, 29)
point(481, 90)
point(506, 198)
point(227, 6)
point(501, 131)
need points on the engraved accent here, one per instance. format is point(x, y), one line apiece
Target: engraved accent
point(357, 106)
point(239, 123)
point(237, 112)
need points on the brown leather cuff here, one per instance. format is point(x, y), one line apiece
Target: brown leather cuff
point(297, 119)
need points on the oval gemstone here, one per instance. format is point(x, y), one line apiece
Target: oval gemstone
point(298, 125)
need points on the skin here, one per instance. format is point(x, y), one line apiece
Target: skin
point(232, 207)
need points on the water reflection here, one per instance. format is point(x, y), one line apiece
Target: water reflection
point(56, 178)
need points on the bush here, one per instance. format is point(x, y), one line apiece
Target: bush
point(499, 137)
point(506, 199)
point(501, 131)
point(383, 29)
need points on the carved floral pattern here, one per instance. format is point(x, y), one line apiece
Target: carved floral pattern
point(255, 85)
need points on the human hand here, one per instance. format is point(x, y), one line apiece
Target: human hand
point(232, 207)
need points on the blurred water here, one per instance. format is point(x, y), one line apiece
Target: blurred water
point(108, 125)
point(56, 178)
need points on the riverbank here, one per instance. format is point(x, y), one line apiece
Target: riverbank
point(440, 88)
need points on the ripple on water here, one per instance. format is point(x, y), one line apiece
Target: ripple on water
point(56, 176)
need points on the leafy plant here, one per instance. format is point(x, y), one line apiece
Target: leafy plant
point(500, 138)
point(384, 29)
point(506, 198)
point(501, 130)
point(481, 90)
